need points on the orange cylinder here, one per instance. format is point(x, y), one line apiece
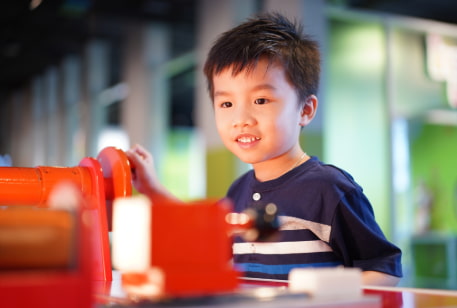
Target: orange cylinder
point(32, 186)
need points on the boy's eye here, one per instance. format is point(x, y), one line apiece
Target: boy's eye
point(226, 105)
point(261, 101)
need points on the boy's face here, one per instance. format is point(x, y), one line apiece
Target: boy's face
point(257, 113)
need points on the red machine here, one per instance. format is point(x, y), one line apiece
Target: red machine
point(100, 180)
point(187, 246)
point(181, 250)
point(37, 282)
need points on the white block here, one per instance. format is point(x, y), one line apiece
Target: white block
point(327, 282)
point(131, 235)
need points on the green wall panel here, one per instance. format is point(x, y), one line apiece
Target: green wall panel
point(434, 162)
point(221, 169)
point(356, 122)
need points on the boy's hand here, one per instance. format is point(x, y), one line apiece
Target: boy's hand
point(144, 177)
point(379, 279)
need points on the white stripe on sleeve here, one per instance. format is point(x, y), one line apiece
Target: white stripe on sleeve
point(281, 247)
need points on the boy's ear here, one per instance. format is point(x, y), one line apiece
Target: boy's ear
point(308, 110)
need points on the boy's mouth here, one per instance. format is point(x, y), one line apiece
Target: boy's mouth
point(245, 139)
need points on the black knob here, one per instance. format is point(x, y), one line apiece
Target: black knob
point(265, 223)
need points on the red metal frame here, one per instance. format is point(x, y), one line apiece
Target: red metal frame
point(117, 177)
point(97, 212)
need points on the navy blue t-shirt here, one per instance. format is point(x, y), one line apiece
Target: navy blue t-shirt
point(326, 221)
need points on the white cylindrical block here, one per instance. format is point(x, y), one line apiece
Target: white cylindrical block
point(326, 282)
point(131, 236)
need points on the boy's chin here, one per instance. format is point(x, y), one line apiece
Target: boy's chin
point(249, 161)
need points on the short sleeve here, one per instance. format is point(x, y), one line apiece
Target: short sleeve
point(359, 240)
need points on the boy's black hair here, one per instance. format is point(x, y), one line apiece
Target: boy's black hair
point(270, 36)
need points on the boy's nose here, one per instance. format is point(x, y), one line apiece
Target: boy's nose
point(242, 117)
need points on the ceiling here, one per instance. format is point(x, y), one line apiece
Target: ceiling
point(35, 34)
point(439, 10)
point(32, 39)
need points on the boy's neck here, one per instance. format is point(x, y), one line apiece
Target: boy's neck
point(273, 169)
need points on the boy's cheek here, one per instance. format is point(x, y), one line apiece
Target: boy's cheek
point(221, 120)
point(220, 128)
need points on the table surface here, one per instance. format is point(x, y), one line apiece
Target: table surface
point(259, 294)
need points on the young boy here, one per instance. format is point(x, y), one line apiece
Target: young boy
point(262, 78)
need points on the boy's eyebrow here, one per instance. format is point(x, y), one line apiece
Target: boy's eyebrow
point(220, 93)
point(263, 86)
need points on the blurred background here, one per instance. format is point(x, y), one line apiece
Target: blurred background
point(79, 75)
